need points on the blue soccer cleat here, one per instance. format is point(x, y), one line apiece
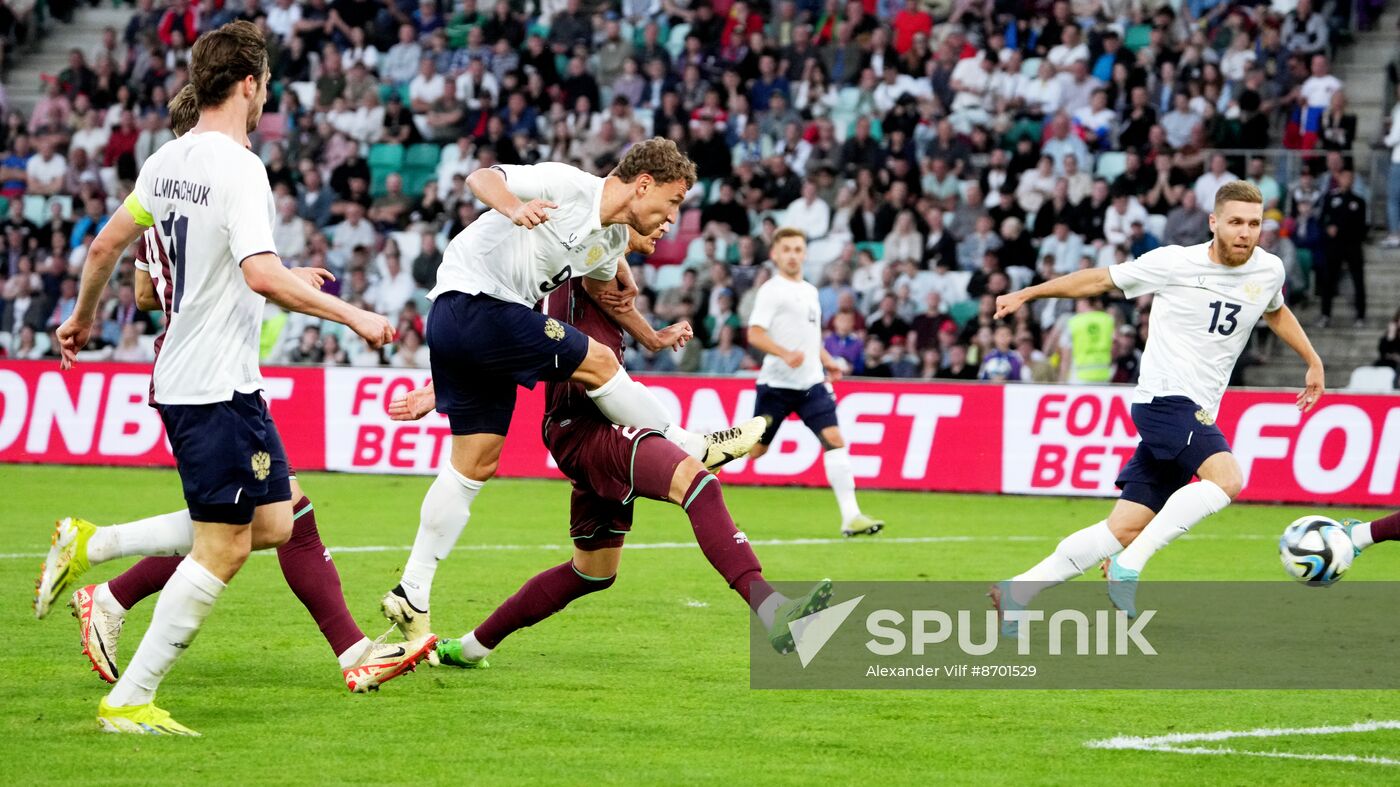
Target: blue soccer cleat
point(1004, 601)
point(1349, 524)
point(1122, 587)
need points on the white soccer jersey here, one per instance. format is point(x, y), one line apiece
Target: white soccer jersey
point(496, 257)
point(209, 206)
point(791, 314)
point(1202, 315)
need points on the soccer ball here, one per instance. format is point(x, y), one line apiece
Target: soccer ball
point(1315, 550)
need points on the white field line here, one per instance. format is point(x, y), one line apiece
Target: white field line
point(769, 542)
point(1174, 742)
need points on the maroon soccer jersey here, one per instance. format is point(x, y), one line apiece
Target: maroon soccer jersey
point(572, 305)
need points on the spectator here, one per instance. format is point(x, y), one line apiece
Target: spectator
point(1086, 344)
point(1119, 219)
point(1344, 221)
point(289, 230)
point(1064, 247)
point(1208, 183)
point(1003, 363)
point(425, 265)
point(809, 213)
point(1392, 201)
point(1187, 224)
point(1305, 31)
point(1256, 174)
point(957, 367)
point(45, 172)
point(725, 357)
point(410, 352)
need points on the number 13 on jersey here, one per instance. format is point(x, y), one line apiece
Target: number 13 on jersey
point(1227, 325)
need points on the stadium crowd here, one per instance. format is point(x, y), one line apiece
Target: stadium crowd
point(937, 154)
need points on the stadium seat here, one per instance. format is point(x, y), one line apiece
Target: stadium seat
point(1029, 67)
point(386, 156)
point(65, 203)
point(4, 205)
point(1023, 128)
point(876, 249)
point(665, 277)
point(410, 244)
point(1137, 37)
point(306, 93)
point(36, 208)
point(1111, 164)
point(422, 156)
point(416, 181)
point(670, 251)
point(272, 127)
point(690, 222)
point(1157, 225)
point(675, 42)
point(963, 311)
point(1372, 379)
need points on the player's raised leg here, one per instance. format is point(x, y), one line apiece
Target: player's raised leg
point(78, 544)
point(1365, 535)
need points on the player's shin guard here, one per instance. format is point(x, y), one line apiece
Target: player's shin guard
point(184, 604)
point(166, 534)
point(312, 576)
point(724, 545)
point(543, 595)
point(1187, 506)
point(446, 509)
point(1077, 553)
point(146, 578)
point(626, 402)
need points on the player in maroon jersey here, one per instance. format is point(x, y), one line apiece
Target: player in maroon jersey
point(610, 467)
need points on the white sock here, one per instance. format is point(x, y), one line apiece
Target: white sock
point(768, 610)
point(627, 402)
point(472, 649)
point(103, 597)
point(167, 534)
point(837, 462)
point(1076, 553)
point(354, 653)
point(184, 603)
point(446, 509)
point(1361, 536)
point(1187, 506)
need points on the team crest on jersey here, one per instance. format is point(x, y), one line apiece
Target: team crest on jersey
point(1252, 291)
point(1204, 418)
point(595, 254)
point(262, 465)
point(553, 329)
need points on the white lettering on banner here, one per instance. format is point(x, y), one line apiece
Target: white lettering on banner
point(275, 389)
point(1355, 426)
point(925, 409)
point(76, 421)
point(848, 412)
point(1387, 455)
point(14, 407)
point(794, 449)
point(360, 436)
point(130, 426)
point(1065, 440)
point(1250, 442)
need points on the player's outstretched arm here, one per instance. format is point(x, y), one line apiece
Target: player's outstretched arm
point(268, 278)
point(1080, 284)
point(120, 231)
point(632, 321)
point(1285, 324)
point(489, 186)
point(761, 341)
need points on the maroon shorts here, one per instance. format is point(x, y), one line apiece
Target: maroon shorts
point(610, 466)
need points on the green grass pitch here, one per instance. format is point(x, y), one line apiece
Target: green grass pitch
point(647, 682)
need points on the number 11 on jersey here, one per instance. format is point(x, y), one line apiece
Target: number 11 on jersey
point(176, 228)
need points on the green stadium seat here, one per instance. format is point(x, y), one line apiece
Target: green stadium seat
point(414, 181)
point(1137, 37)
point(876, 249)
point(422, 156)
point(386, 156)
point(962, 312)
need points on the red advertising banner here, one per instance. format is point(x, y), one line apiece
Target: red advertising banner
point(1020, 439)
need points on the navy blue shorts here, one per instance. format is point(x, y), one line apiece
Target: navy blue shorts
point(481, 348)
point(230, 457)
point(816, 406)
point(1176, 437)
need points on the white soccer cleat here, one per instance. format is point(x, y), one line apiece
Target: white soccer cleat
point(862, 525)
point(98, 631)
point(413, 624)
point(384, 661)
point(727, 445)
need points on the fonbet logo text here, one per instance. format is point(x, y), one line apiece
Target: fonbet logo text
point(893, 633)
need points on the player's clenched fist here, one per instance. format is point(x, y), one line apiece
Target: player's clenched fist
point(532, 214)
point(674, 336)
point(375, 329)
point(1009, 304)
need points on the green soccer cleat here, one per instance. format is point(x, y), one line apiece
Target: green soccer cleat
point(793, 610)
point(1004, 602)
point(449, 653)
point(139, 720)
point(66, 562)
point(727, 445)
point(1122, 587)
point(862, 525)
point(1349, 524)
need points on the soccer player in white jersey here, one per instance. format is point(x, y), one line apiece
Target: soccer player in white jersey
point(210, 202)
point(1206, 301)
point(786, 325)
point(548, 223)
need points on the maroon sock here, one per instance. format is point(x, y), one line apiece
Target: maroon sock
point(543, 595)
point(1387, 528)
point(144, 579)
point(724, 546)
point(311, 574)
